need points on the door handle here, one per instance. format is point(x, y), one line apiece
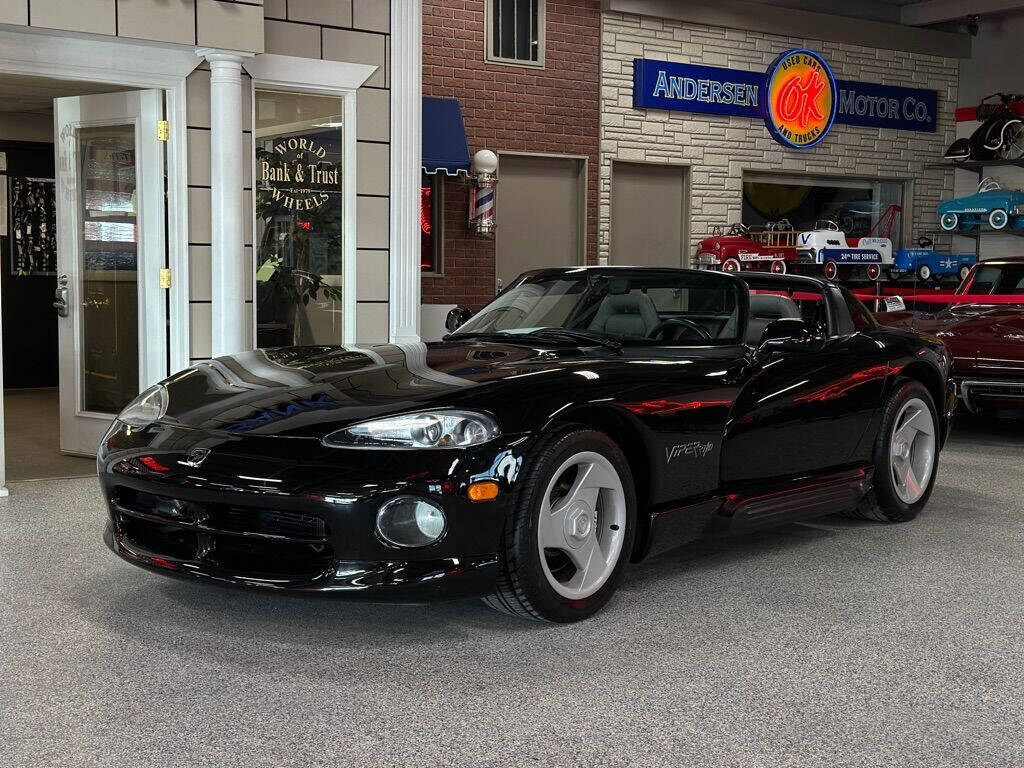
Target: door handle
point(62, 304)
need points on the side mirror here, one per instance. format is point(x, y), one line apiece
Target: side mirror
point(456, 317)
point(786, 334)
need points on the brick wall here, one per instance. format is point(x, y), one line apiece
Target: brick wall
point(719, 149)
point(509, 108)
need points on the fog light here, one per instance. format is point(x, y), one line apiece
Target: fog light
point(410, 521)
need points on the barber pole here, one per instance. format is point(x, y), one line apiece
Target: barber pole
point(481, 193)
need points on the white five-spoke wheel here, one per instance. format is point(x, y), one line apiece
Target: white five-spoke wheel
point(912, 450)
point(581, 525)
point(905, 456)
point(569, 532)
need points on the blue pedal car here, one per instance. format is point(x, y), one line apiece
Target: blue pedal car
point(928, 264)
point(991, 204)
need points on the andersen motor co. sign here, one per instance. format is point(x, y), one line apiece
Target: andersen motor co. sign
point(297, 174)
point(797, 97)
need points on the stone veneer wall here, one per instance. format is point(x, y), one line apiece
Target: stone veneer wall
point(718, 149)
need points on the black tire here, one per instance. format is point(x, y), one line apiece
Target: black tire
point(523, 589)
point(882, 504)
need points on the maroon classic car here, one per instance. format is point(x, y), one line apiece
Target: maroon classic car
point(983, 325)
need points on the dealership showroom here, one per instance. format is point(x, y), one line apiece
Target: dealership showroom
point(511, 382)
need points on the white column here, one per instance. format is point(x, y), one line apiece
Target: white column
point(229, 270)
point(406, 151)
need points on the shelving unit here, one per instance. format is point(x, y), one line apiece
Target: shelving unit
point(979, 168)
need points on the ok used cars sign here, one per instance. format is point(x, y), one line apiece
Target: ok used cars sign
point(797, 97)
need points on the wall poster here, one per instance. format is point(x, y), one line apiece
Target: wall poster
point(33, 226)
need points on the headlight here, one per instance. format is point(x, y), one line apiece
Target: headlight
point(427, 429)
point(146, 408)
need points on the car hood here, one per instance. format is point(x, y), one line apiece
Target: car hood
point(310, 391)
point(981, 337)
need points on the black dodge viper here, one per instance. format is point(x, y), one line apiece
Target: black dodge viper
point(585, 418)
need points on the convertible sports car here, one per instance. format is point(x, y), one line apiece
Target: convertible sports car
point(585, 418)
point(983, 326)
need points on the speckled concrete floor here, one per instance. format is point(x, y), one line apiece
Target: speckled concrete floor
point(830, 644)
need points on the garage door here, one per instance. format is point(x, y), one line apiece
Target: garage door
point(539, 211)
point(648, 215)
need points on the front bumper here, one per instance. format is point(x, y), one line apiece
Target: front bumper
point(291, 515)
point(979, 392)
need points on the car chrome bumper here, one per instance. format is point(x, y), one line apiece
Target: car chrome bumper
point(975, 392)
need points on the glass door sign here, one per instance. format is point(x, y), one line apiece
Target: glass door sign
point(297, 174)
point(797, 97)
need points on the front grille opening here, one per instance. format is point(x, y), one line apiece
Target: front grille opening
point(249, 542)
point(295, 525)
point(270, 558)
point(159, 538)
point(271, 522)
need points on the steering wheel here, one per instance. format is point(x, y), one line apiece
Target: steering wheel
point(924, 242)
point(699, 329)
point(739, 229)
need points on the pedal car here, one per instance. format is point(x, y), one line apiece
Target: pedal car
point(751, 249)
point(827, 247)
point(928, 264)
point(991, 203)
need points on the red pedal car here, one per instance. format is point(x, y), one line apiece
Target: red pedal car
point(751, 249)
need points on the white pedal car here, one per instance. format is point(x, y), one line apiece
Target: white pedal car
point(828, 247)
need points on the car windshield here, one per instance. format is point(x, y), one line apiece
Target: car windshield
point(997, 280)
point(667, 306)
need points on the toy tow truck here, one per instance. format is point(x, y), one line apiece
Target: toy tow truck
point(753, 249)
point(827, 248)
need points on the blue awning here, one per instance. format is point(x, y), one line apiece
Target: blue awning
point(444, 137)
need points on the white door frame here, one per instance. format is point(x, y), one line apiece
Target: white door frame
point(138, 64)
point(275, 72)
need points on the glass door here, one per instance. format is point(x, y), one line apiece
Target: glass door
point(110, 249)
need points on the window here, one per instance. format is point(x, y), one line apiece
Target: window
point(515, 31)
point(299, 217)
point(996, 279)
point(685, 308)
point(431, 224)
point(856, 205)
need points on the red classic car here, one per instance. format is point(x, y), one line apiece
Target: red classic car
point(763, 249)
point(982, 323)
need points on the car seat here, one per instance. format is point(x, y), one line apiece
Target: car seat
point(765, 307)
point(628, 314)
